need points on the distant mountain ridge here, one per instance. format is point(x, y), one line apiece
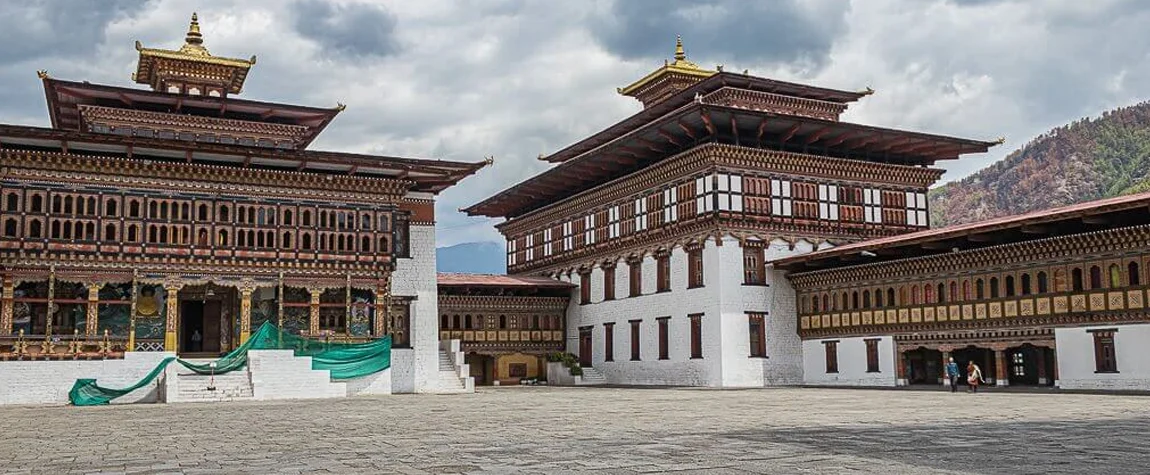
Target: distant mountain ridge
point(1089, 159)
point(472, 258)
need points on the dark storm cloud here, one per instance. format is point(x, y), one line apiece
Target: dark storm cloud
point(353, 30)
point(776, 31)
point(45, 29)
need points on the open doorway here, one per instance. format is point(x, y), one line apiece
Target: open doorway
point(200, 327)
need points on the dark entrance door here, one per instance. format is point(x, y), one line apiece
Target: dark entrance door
point(191, 326)
point(924, 366)
point(200, 326)
point(1027, 365)
point(585, 348)
point(982, 357)
point(211, 342)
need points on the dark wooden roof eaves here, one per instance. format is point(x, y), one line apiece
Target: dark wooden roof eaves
point(1001, 224)
point(715, 82)
point(52, 92)
point(450, 279)
point(447, 173)
point(594, 165)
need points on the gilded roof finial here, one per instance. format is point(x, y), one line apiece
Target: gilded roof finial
point(194, 37)
point(680, 55)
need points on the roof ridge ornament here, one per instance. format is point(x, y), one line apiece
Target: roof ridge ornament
point(680, 55)
point(194, 40)
point(194, 36)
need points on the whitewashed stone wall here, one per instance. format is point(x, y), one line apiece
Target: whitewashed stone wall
point(1076, 364)
point(724, 302)
point(48, 382)
point(415, 277)
point(852, 368)
point(679, 369)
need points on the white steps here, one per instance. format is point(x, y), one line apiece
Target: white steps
point(591, 377)
point(233, 386)
point(279, 374)
point(449, 379)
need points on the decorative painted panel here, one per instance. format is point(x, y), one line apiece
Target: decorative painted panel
point(1116, 301)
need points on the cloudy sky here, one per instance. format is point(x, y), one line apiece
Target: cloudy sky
point(465, 79)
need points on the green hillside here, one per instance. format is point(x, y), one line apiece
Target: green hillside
point(1086, 160)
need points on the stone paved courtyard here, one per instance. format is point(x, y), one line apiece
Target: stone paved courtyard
point(562, 430)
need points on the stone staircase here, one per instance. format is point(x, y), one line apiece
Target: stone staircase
point(591, 377)
point(454, 374)
point(279, 374)
point(233, 386)
point(449, 380)
point(269, 374)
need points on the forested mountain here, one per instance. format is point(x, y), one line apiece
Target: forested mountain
point(1088, 159)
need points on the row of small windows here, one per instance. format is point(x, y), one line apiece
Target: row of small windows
point(635, 272)
point(503, 322)
point(171, 234)
point(725, 193)
point(159, 209)
point(1115, 276)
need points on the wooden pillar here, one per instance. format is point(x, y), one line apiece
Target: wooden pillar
point(347, 314)
point(1000, 360)
point(171, 341)
point(7, 294)
point(382, 306)
point(945, 361)
point(1054, 359)
point(900, 362)
point(1041, 365)
point(313, 315)
point(51, 297)
point(132, 313)
point(93, 320)
point(246, 312)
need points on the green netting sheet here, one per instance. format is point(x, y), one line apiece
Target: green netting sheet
point(343, 360)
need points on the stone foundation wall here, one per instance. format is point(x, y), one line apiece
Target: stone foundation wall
point(48, 382)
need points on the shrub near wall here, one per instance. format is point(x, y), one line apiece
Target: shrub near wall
point(570, 361)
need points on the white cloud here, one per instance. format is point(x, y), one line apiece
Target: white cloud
point(460, 80)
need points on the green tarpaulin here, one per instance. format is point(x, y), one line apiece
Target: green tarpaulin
point(343, 360)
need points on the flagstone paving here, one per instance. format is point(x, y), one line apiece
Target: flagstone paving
point(604, 430)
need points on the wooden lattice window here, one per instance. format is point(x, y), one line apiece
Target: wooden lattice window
point(1105, 360)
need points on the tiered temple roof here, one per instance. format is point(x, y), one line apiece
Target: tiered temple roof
point(721, 107)
point(190, 117)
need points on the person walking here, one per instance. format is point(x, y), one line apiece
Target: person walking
point(973, 376)
point(952, 375)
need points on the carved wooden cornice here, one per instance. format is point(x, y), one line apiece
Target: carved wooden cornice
point(128, 263)
point(1020, 255)
point(452, 304)
point(775, 103)
point(112, 171)
point(192, 123)
point(831, 170)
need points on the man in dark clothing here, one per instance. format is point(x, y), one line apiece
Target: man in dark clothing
point(952, 375)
